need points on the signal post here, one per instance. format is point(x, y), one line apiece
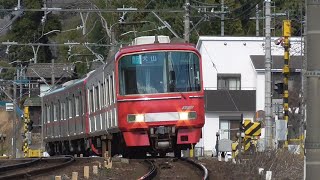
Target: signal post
point(286, 33)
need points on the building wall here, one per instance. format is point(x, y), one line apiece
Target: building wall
point(212, 123)
point(260, 95)
point(232, 55)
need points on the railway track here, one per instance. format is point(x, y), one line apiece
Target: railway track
point(173, 168)
point(33, 167)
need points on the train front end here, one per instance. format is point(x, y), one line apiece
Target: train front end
point(160, 97)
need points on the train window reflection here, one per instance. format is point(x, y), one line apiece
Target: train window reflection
point(159, 72)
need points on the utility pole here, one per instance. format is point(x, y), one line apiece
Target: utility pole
point(20, 82)
point(257, 20)
point(268, 103)
point(187, 22)
point(312, 144)
point(14, 118)
point(222, 17)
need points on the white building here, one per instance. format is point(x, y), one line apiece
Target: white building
point(234, 81)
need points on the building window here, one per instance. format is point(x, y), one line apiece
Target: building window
point(229, 126)
point(229, 81)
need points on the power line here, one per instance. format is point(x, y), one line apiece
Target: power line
point(56, 44)
point(98, 10)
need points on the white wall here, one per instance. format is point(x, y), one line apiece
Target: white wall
point(260, 95)
point(232, 55)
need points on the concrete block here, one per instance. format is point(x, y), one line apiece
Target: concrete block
point(57, 178)
point(74, 176)
point(116, 159)
point(124, 160)
point(81, 155)
point(75, 155)
point(86, 172)
point(95, 170)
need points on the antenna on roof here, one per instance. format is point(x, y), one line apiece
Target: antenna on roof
point(156, 40)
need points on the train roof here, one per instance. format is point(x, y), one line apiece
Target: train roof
point(66, 85)
point(158, 46)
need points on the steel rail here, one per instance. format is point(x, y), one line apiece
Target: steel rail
point(152, 172)
point(69, 160)
point(200, 166)
point(18, 165)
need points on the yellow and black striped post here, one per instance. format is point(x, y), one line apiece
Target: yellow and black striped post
point(286, 30)
point(25, 131)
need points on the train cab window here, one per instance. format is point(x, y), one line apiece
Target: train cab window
point(159, 72)
point(77, 105)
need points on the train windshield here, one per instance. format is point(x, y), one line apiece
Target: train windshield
point(159, 72)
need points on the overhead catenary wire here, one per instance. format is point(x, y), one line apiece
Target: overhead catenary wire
point(214, 66)
point(98, 10)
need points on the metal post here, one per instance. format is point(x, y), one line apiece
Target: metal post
point(257, 20)
point(14, 118)
point(20, 82)
point(222, 17)
point(312, 143)
point(286, 27)
point(42, 122)
point(187, 22)
point(52, 73)
point(268, 136)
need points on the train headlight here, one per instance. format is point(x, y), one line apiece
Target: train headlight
point(135, 118)
point(187, 115)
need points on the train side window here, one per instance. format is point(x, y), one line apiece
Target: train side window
point(97, 99)
point(77, 105)
point(48, 113)
point(112, 89)
point(84, 105)
point(70, 108)
point(61, 110)
point(89, 99)
point(65, 110)
point(73, 103)
point(102, 94)
point(54, 112)
point(51, 112)
point(58, 110)
point(80, 103)
point(107, 91)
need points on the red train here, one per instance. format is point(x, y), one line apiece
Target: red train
point(146, 99)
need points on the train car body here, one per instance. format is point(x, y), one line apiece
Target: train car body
point(147, 98)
